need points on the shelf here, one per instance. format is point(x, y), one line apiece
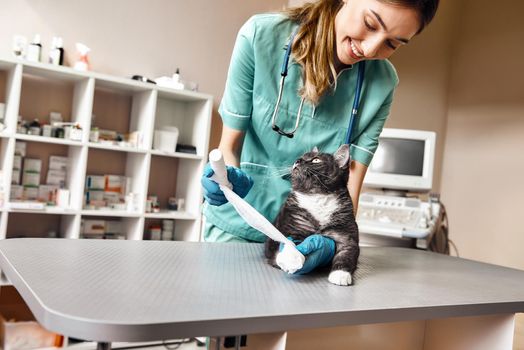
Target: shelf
point(176, 155)
point(49, 71)
point(113, 105)
point(45, 139)
point(116, 148)
point(46, 210)
point(109, 213)
point(182, 95)
point(173, 215)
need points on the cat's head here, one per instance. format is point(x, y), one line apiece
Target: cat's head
point(317, 172)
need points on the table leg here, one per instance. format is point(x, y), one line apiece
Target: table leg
point(237, 342)
point(103, 346)
point(217, 344)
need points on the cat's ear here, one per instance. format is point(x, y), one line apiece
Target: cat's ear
point(342, 156)
point(315, 150)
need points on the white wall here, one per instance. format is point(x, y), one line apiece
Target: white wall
point(483, 165)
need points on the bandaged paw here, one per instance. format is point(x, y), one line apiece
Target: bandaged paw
point(340, 278)
point(289, 259)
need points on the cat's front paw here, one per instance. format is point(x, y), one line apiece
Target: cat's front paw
point(340, 278)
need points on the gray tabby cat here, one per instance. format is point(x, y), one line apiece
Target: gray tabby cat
point(319, 203)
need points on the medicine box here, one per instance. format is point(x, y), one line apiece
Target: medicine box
point(56, 177)
point(20, 148)
point(17, 192)
point(94, 227)
point(95, 182)
point(115, 183)
point(15, 177)
point(165, 139)
point(30, 193)
point(46, 193)
point(31, 179)
point(32, 165)
point(58, 163)
point(17, 162)
point(113, 226)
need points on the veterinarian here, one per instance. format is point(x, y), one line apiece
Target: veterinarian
point(269, 123)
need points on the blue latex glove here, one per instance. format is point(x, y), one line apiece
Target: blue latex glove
point(318, 250)
point(241, 182)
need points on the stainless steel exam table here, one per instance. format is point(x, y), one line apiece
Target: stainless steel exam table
point(112, 290)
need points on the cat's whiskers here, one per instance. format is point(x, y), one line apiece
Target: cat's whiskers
point(310, 171)
point(279, 171)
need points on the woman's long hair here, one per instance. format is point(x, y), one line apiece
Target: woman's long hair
point(314, 44)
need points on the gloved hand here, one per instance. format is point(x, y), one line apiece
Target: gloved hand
point(241, 182)
point(318, 250)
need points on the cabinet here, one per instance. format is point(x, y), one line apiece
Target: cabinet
point(98, 101)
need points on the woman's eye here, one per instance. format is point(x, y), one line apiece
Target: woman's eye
point(391, 45)
point(369, 26)
point(316, 160)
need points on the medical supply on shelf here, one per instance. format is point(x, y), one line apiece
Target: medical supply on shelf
point(173, 82)
point(30, 179)
point(34, 127)
point(34, 50)
point(94, 134)
point(56, 54)
point(17, 192)
point(17, 162)
point(58, 163)
point(32, 165)
point(82, 64)
point(165, 139)
point(94, 227)
point(15, 177)
point(172, 203)
point(155, 232)
point(289, 259)
point(181, 203)
point(30, 193)
point(47, 130)
point(186, 149)
point(19, 46)
point(55, 117)
point(47, 194)
point(95, 182)
point(62, 198)
point(20, 148)
point(153, 206)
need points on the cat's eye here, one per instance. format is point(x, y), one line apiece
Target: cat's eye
point(316, 160)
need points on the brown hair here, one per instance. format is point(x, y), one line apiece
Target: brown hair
point(314, 43)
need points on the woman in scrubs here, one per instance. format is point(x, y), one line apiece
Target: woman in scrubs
point(331, 38)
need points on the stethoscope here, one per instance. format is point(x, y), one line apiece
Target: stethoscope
point(283, 74)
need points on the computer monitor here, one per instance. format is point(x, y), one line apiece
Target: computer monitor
point(403, 161)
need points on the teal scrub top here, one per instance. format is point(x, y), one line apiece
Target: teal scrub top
point(248, 104)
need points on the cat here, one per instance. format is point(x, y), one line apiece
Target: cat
point(320, 203)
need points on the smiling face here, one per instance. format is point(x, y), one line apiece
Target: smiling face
point(372, 30)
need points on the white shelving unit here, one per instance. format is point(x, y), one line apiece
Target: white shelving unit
point(35, 89)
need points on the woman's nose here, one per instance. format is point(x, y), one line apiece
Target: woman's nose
point(371, 46)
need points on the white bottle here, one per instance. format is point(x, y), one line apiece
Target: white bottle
point(176, 83)
point(34, 49)
point(56, 54)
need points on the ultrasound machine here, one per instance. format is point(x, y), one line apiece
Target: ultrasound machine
point(396, 207)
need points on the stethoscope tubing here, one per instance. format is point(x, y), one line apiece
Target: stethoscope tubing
point(283, 74)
